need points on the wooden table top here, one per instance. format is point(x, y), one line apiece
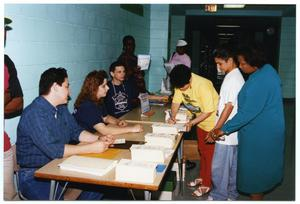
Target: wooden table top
point(53, 172)
point(135, 116)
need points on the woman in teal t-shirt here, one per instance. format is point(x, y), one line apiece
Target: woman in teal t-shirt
point(260, 124)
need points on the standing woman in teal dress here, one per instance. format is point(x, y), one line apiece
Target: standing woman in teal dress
point(260, 125)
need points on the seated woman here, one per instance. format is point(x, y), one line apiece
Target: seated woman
point(90, 111)
point(122, 95)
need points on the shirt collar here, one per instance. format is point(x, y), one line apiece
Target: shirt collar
point(47, 106)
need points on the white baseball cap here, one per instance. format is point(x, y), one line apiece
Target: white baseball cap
point(181, 43)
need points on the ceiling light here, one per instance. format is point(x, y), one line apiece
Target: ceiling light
point(228, 26)
point(234, 5)
point(226, 34)
point(224, 38)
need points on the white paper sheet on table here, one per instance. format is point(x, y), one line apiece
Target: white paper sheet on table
point(89, 165)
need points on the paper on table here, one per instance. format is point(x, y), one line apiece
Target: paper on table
point(89, 165)
point(108, 154)
point(144, 61)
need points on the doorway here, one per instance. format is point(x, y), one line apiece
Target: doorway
point(205, 33)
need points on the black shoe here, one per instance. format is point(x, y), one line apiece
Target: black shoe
point(189, 165)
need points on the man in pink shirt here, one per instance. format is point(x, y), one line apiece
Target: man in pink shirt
point(180, 56)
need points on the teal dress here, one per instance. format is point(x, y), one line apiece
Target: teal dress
point(260, 125)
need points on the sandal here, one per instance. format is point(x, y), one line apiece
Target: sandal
point(200, 191)
point(196, 182)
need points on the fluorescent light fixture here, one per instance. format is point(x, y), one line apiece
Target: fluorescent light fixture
point(226, 34)
point(228, 26)
point(234, 5)
point(224, 38)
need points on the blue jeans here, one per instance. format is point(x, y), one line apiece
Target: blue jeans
point(37, 189)
point(224, 171)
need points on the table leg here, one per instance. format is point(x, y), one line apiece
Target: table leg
point(180, 166)
point(147, 195)
point(52, 193)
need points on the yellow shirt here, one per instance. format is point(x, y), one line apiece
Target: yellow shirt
point(200, 97)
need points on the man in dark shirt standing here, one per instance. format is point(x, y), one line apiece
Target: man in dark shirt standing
point(46, 127)
point(134, 73)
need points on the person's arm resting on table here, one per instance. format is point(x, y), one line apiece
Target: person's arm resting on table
point(115, 130)
point(115, 121)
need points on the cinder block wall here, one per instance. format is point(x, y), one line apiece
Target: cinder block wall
point(159, 29)
point(287, 57)
point(177, 32)
point(78, 37)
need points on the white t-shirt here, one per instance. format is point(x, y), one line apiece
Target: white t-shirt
point(230, 89)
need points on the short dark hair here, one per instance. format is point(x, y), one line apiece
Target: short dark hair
point(115, 64)
point(254, 54)
point(226, 51)
point(51, 76)
point(180, 76)
point(128, 37)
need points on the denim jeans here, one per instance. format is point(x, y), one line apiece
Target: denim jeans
point(36, 189)
point(224, 172)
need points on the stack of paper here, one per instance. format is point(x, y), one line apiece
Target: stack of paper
point(89, 165)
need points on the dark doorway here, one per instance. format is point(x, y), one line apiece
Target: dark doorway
point(206, 32)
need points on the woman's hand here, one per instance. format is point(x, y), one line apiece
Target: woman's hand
point(122, 123)
point(137, 128)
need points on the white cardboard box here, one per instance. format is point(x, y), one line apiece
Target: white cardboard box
point(135, 171)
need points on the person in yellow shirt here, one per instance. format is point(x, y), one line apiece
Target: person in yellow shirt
point(199, 96)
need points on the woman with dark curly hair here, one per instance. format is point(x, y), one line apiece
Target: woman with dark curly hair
point(90, 111)
point(260, 125)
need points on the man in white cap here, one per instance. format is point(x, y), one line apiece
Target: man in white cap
point(180, 56)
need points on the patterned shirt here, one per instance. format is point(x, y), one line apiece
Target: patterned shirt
point(201, 97)
point(119, 98)
point(42, 133)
